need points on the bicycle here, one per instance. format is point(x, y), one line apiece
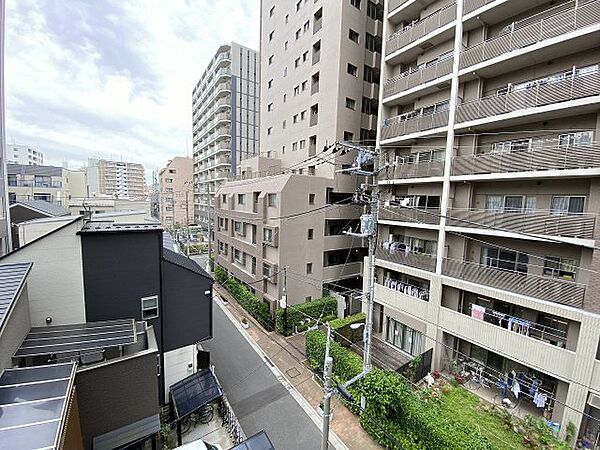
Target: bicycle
point(204, 416)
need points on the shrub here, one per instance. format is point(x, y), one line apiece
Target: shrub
point(305, 326)
point(337, 324)
point(296, 313)
point(344, 333)
point(220, 275)
point(249, 301)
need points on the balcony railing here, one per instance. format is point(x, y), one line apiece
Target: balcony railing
point(421, 28)
point(472, 5)
point(396, 127)
point(541, 287)
point(416, 77)
point(571, 88)
point(419, 170)
point(418, 215)
point(314, 119)
point(316, 57)
point(554, 22)
point(314, 88)
point(395, 4)
point(546, 155)
point(318, 25)
point(537, 222)
point(418, 260)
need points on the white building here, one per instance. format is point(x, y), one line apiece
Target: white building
point(23, 154)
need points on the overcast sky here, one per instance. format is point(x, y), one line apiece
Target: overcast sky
point(113, 78)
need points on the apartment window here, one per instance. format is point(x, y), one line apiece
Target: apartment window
point(267, 235)
point(270, 83)
point(352, 70)
point(284, 98)
point(355, 3)
point(241, 198)
point(150, 307)
point(283, 149)
point(505, 259)
point(295, 118)
point(285, 71)
point(270, 131)
point(271, 59)
point(298, 5)
point(348, 136)
point(371, 74)
point(272, 200)
point(303, 115)
point(239, 257)
point(294, 146)
point(353, 35)
point(271, 35)
point(297, 62)
point(304, 85)
point(239, 228)
point(306, 26)
point(272, 11)
point(298, 32)
point(311, 199)
point(311, 170)
point(374, 11)
point(403, 337)
point(308, 268)
point(558, 267)
point(305, 56)
point(270, 107)
point(311, 233)
point(287, 18)
point(308, 299)
point(514, 146)
point(296, 90)
point(350, 103)
point(12, 180)
point(302, 144)
point(285, 45)
point(510, 203)
point(373, 43)
point(369, 106)
point(563, 204)
point(224, 199)
point(283, 124)
point(578, 138)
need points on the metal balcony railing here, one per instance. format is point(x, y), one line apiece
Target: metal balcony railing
point(418, 260)
point(395, 4)
point(544, 155)
point(421, 28)
point(571, 88)
point(395, 126)
point(415, 77)
point(471, 5)
point(554, 22)
point(541, 287)
point(537, 222)
point(410, 214)
point(318, 25)
point(419, 170)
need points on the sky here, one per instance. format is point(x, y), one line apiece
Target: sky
point(113, 78)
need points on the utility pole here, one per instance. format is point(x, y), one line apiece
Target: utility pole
point(283, 302)
point(327, 392)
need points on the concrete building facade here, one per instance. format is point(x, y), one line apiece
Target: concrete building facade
point(225, 120)
point(24, 154)
point(116, 178)
point(177, 192)
point(488, 127)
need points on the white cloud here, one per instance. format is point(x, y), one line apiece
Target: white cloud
point(113, 79)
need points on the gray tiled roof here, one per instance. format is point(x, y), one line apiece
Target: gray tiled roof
point(183, 261)
point(43, 206)
point(12, 277)
point(22, 169)
point(109, 226)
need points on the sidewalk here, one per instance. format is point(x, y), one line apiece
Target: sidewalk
point(292, 363)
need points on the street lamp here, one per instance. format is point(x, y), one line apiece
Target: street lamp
point(354, 327)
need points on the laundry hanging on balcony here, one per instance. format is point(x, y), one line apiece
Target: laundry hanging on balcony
point(478, 312)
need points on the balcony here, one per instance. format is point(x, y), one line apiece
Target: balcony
point(416, 215)
point(543, 156)
point(537, 286)
point(318, 24)
point(416, 77)
point(400, 301)
point(400, 126)
point(314, 119)
point(562, 90)
point(331, 273)
point(393, 4)
point(533, 222)
point(552, 23)
point(471, 5)
point(418, 260)
point(421, 28)
point(419, 170)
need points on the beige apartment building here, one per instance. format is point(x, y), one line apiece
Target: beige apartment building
point(488, 232)
point(319, 84)
point(116, 178)
point(177, 192)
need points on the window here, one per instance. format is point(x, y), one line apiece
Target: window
point(353, 35)
point(352, 70)
point(518, 145)
point(239, 256)
point(308, 268)
point(269, 131)
point(12, 180)
point(304, 85)
point(298, 5)
point(510, 203)
point(150, 307)
point(579, 138)
point(239, 228)
point(311, 233)
point(271, 59)
point(355, 3)
point(295, 118)
point(302, 144)
point(369, 106)
point(374, 11)
point(403, 337)
point(224, 199)
point(283, 149)
point(270, 83)
point(270, 107)
point(272, 11)
point(565, 268)
point(297, 62)
point(298, 32)
point(307, 299)
point(306, 26)
point(272, 200)
point(285, 45)
point(267, 235)
point(311, 170)
point(296, 90)
point(371, 74)
point(311, 199)
point(505, 259)
point(283, 124)
point(350, 103)
point(303, 115)
point(271, 35)
point(373, 43)
point(284, 98)
point(562, 204)
point(305, 56)
point(287, 18)
point(294, 146)
point(241, 198)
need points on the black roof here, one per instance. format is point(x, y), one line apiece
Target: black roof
point(12, 278)
point(111, 227)
point(183, 261)
point(23, 169)
point(260, 441)
point(43, 207)
point(194, 391)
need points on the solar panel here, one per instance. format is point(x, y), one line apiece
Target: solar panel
point(195, 391)
point(34, 374)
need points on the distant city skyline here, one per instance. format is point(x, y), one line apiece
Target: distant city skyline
point(112, 80)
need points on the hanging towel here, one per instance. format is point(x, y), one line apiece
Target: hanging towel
point(477, 312)
point(540, 400)
point(516, 388)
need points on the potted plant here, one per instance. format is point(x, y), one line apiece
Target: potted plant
point(245, 323)
point(436, 374)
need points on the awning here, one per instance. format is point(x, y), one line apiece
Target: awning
point(260, 441)
point(193, 392)
point(128, 434)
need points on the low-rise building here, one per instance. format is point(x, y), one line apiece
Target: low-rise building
point(23, 154)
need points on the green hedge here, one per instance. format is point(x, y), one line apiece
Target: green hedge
point(312, 323)
point(344, 334)
point(220, 275)
point(392, 405)
point(249, 301)
point(296, 313)
point(337, 324)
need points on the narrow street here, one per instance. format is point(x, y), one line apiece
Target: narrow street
point(259, 400)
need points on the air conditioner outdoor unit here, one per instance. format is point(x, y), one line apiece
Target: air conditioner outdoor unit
point(594, 400)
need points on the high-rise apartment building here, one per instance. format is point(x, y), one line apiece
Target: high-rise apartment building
point(225, 120)
point(177, 192)
point(117, 178)
point(24, 154)
point(5, 244)
point(488, 232)
point(319, 83)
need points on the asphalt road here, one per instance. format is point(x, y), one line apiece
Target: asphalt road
point(258, 399)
